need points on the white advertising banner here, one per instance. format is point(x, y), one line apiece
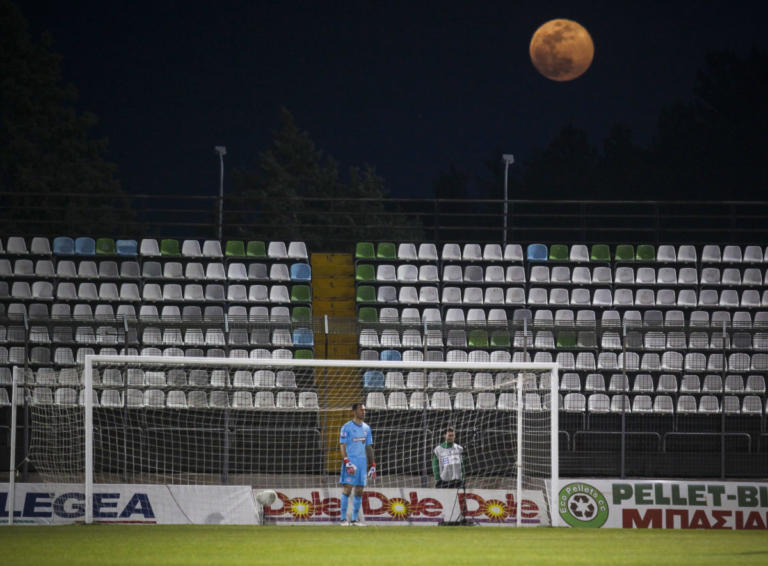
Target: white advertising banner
point(663, 504)
point(49, 504)
point(393, 506)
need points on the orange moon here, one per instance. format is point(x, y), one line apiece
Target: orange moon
point(561, 50)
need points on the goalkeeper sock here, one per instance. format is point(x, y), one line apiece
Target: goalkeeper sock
point(357, 500)
point(344, 503)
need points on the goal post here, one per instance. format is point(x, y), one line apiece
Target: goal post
point(274, 423)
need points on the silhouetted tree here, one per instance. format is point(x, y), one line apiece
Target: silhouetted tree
point(296, 193)
point(566, 169)
point(46, 148)
point(717, 145)
point(623, 166)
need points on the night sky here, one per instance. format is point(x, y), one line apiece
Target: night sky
point(409, 87)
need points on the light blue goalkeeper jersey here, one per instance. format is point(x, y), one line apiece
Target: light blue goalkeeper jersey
point(356, 438)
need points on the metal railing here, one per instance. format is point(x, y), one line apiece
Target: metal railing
point(334, 224)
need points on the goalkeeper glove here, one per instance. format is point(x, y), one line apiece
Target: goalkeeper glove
point(349, 467)
point(372, 471)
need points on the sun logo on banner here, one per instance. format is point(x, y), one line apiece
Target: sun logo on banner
point(495, 510)
point(398, 508)
point(301, 508)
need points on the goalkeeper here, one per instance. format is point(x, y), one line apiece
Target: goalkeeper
point(356, 444)
point(447, 462)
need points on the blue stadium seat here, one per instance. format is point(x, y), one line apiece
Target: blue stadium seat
point(85, 246)
point(303, 337)
point(537, 252)
point(373, 379)
point(391, 356)
point(301, 272)
point(127, 248)
point(63, 245)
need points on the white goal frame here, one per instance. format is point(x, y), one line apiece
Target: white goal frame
point(92, 360)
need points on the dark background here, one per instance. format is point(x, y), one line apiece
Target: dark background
point(409, 87)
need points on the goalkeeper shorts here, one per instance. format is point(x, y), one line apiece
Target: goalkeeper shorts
point(358, 478)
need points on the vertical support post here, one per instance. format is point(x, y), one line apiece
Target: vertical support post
point(519, 486)
point(622, 470)
point(12, 457)
point(554, 446)
point(88, 378)
point(722, 407)
point(225, 450)
point(427, 449)
point(26, 416)
point(325, 433)
point(525, 336)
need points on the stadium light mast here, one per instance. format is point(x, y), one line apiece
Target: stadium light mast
point(221, 151)
point(508, 159)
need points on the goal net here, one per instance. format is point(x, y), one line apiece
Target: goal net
point(274, 423)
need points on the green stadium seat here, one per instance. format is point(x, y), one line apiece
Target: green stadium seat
point(645, 252)
point(303, 354)
point(600, 252)
point(364, 250)
point(106, 246)
point(477, 339)
point(500, 339)
point(301, 294)
point(566, 339)
point(366, 294)
point(301, 314)
point(365, 272)
point(558, 252)
point(234, 248)
point(367, 315)
point(256, 248)
point(386, 250)
point(170, 247)
point(625, 252)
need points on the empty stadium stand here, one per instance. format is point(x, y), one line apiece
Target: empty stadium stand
point(655, 344)
point(663, 350)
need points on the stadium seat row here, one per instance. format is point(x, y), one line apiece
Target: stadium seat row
point(102, 312)
point(154, 292)
point(542, 274)
point(576, 253)
point(136, 377)
point(149, 247)
point(152, 270)
point(174, 399)
point(561, 296)
point(598, 403)
point(544, 317)
point(64, 356)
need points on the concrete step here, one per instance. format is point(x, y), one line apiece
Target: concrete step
point(325, 265)
point(334, 307)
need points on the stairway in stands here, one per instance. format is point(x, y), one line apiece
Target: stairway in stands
point(333, 288)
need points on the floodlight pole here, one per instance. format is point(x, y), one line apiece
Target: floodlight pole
point(508, 159)
point(221, 151)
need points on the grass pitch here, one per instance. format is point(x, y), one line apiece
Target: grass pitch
point(116, 544)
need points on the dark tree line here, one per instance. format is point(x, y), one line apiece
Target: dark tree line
point(298, 192)
point(46, 145)
point(713, 147)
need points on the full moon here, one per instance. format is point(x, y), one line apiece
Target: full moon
point(561, 50)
